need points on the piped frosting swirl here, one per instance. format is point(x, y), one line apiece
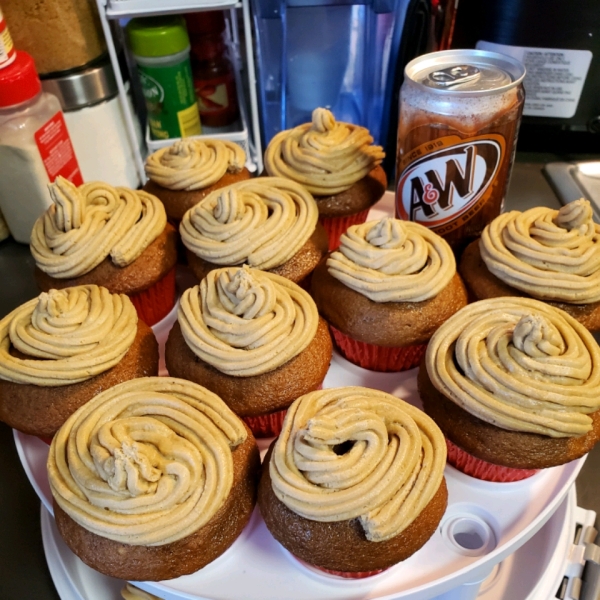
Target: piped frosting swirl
point(262, 222)
point(549, 254)
point(519, 364)
point(90, 222)
point(246, 322)
point(72, 335)
point(393, 261)
point(147, 462)
point(392, 466)
point(192, 164)
point(325, 156)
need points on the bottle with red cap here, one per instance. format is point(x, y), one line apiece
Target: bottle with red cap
point(35, 147)
point(214, 78)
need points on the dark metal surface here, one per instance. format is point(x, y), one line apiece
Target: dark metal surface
point(23, 570)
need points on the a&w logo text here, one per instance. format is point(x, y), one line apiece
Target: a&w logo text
point(444, 184)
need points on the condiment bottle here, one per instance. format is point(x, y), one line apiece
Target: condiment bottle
point(161, 50)
point(214, 79)
point(35, 146)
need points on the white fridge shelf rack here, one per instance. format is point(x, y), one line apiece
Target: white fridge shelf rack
point(247, 131)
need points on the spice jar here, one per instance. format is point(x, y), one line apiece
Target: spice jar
point(161, 50)
point(214, 78)
point(35, 146)
point(58, 34)
point(97, 124)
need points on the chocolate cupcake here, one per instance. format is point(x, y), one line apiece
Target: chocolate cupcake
point(253, 338)
point(268, 223)
point(551, 255)
point(116, 238)
point(152, 479)
point(59, 350)
point(184, 173)
point(514, 384)
point(355, 481)
point(390, 285)
point(337, 163)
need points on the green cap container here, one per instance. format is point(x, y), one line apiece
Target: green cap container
point(157, 36)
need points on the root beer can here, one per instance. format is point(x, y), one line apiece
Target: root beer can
point(460, 112)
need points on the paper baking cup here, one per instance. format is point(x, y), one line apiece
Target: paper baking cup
point(378, 358)
point(265, 426)
point(481, 469)
point(344, 574)
point(269, 425)
point(335, 226)
point(155, 303)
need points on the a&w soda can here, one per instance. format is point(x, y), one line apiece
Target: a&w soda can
point(459, 117)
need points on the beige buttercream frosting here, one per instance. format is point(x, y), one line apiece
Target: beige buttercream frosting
point(549, 254)
point(393, 261)
point(325, 156)
point(90, 222)
point(246, 322)
point(71, 334)
point(519, 364)
point(262, 222)
point(192, 164)
point(147, 462)
point(131, 592)
point(391, 466)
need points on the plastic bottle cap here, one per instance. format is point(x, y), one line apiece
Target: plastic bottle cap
point(157, 36)
point(19, 81)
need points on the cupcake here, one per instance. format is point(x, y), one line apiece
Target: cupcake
point(514, 384)
point(551, 255)
point(268, 223)
point(337, 163)
point(64, 347)
point(253, 338)
point(390, 285)
point(152, 479)
point(355, 481)
point(184, 173)
point(116, 238)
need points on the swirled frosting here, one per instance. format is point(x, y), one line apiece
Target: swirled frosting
point(246, 322)
point(147, 462)
point(191, 164)
point(78, 332)
point(519, 364)
point(262, 222)
point(549, 254)
point(325, 156)
point(131, 592)
point(390, 468)
point(393, 261)
point(88, 223)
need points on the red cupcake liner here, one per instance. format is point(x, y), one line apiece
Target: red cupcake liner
point(481, 469)
point(335, 226)
point(265, 426)
point(269, 425)
point(155, 303)
point(344, 574)
point(350, 574)
point(378, 358)
point(46, 440)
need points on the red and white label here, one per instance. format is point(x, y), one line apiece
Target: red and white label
point(56, 150)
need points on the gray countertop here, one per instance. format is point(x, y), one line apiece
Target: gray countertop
point(23, 570)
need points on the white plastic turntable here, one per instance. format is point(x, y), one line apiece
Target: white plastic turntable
point(497, 541)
